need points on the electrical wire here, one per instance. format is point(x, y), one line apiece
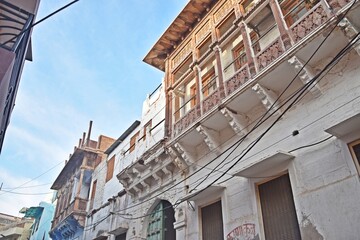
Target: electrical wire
point(33, 178)
point(19, 193)
point(310, 145)
point(251, 146)
point(289, 84)
point(33, 186)
point(271, 126)
point(326, 69)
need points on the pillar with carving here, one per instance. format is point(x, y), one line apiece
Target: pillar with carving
point(168, 100)
point(248, 48)
point(284, 34)
point(217, 51)
point(196, 70)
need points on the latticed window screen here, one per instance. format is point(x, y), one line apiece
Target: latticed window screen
point(278, 210)
point(161, 223)
point(212, 222)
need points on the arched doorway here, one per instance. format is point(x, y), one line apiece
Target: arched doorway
point(161, 222)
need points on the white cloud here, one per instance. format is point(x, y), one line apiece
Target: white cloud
point(11, 203)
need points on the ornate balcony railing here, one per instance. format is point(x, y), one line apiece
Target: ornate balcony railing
point(240, 77)
point(316, 17)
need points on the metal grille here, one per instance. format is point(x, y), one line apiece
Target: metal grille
point(278, 210)
point(212, 222)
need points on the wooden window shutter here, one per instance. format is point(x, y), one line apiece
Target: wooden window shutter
point(212, 222)
point(278, 210)
point(110, 168)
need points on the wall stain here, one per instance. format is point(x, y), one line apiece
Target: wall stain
point(308, 229)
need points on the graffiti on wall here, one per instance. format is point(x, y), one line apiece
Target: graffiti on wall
point(243, 232)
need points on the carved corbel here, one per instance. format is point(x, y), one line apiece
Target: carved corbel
point(178, 159)
point(306, 74)
point(237, 121)
point(267, 97)
point(350, 31)
point(158, 177)
point(167, 171)
point(133, 173)
point(211, 137)
point(188, 153)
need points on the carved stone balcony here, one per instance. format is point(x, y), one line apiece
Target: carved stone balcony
point(275, 66)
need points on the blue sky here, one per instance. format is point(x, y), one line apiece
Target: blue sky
point(87, 66)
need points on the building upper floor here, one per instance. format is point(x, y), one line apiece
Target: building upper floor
point(73, 182)
point(223, 58)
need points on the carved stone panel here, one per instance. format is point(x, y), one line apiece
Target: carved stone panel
point(189, 118)
point(272, 52)
point(310, 22)
point(211, 101)
point(240, 77)
point(223, 11)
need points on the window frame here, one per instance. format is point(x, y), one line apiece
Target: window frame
point(355, 158)
point(133, 141)
point(206, 80)
point(200, 214)
point(148, 124)
point(110, 168)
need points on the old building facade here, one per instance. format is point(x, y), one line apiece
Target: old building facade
point(260, 134)
point(73, 186)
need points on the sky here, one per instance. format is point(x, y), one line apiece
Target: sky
point(87, 65)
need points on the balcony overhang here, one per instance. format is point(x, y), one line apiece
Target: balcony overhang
point(178, 30)
point(122, 228)
point(203, 193)
point(345, 127)
point(266, 166)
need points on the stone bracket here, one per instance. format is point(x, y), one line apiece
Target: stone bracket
point(188, 153)
point(267, 97)
point(350, 31)
point(237, 121)
point(306, 74)
point(211, 137)
point(178, 159)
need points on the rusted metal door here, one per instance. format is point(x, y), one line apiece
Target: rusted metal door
point(212, 222)
point(278, 210)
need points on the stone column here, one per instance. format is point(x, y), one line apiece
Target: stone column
point(275, 8)
point(168, 100)
point(220, 77)
point(196, 70)
point(248, 48)
point(180, 221)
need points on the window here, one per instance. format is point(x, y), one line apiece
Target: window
point(192, 96)
point(239, 56)
point(182, 69)
point(110, 168)
point(355, 152)
point(254, 37)
point(225, 25)
point(278, 209)
point(212, 222)
point(147, 128)
point(204, 47)
point(246, 5)
point(293, 10)
point(93, 190)
point(208, 82)
point(133, 141)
